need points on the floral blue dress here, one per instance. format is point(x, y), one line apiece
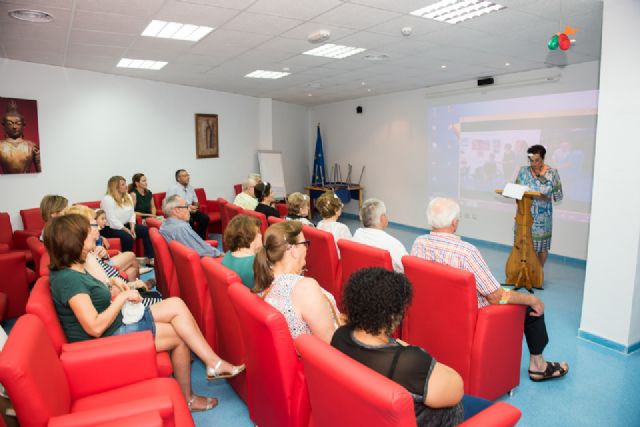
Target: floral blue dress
point(542, 208)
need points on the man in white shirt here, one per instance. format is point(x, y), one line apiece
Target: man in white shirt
point(198, 220)
point(374, 218)
point(247, 199)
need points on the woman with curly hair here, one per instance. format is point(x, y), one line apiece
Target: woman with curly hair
point(375, 301)
point(298, 208)
point(243, 239)
point(330, 207)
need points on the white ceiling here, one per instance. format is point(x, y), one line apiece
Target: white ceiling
point(272, 34)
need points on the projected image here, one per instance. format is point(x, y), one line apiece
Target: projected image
point(478, 147)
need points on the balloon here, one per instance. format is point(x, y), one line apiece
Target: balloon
point(553, 43)
point(564, 42)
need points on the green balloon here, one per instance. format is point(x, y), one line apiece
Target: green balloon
point(553, 43)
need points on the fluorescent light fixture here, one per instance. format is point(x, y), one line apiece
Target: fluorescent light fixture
point(264, 74)
point(335, 51)
point(456, 11)
point(142, 64)
point(176, 31)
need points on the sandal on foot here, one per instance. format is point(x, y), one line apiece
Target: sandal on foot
point(549, 373)
point(212, 402)
point(214, 373)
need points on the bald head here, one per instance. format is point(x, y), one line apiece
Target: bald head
point(443, 213)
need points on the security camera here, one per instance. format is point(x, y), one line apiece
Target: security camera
point(406, 31)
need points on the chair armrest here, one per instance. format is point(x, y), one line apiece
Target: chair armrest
point(20, 238)
point(114, 362)
point(4, 248)
point(499, 414)
point(161, 406)
point(213, 206)
point(115, 244)
point(112, 252)
point(213, 243)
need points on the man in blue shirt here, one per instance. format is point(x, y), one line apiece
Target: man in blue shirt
point(198, 220)
point(177, 227)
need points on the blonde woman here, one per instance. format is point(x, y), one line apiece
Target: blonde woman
point(121, 218)
point(330, 207)
point(298, 208)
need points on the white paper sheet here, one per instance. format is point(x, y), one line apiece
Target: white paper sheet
point(514, 191)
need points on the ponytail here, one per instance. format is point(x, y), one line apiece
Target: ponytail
point(263, 275)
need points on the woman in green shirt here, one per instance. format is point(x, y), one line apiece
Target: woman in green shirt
point(243, 240)
point(141, 196)
point(87, 308)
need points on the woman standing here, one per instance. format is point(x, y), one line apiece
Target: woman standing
point(540, 177)
point(141, 196)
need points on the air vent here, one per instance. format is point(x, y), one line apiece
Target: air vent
point(31, 15)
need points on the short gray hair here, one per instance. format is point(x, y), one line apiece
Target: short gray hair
point(371, 212)
point(251, 182)
point(169, 204)
point(442, 211)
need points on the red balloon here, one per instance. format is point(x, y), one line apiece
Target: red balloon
point(563, 36)
point(564, 44)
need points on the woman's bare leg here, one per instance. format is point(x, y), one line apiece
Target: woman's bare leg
point(127, 262)
point(542, 257)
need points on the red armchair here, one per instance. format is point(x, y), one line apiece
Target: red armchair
point(261, 217)
point(32, 220)
point(166, 279)
point(283, 209)
point(274, 219)
point(93, 204)
point(14, 283)
point(37, 252)
point(158, 198)
point(193, 289)
point(229, 210)
point(47, 390)
point(228, 334)
point(276, 389)
point(153, 223)
point(346, 393)
point(15, 241)
point(483, 345)
point(237, 189)
point(323, 263)
point(212, 209)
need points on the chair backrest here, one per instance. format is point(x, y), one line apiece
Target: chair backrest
point(228, 333)
point(14, 283)
point(194, 289)
point(158, 198)
point(237, 189)
point(93, 205)
point(277, 395)
point(283, 209)
point(6, 230)
point(202, 198)
point(44, 264)
point(323, 263)
point(31, 219)
point(40, 304)
point(264, 224)
point(37, 251)
point(153, 223)
point(274, 219)
point(442, 316)
point(32, 374)
point(166, 279)
point(346, 393)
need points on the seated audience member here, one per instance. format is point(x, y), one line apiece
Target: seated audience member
point(247, 198)
point(330, 207)
point(177, 227)
point(50, 207)
point(262, 191)
point(307, 308)
point(443, 246)
point(374, 218)
point(243, 240)
point(376, 301)
point(141, 196)
point(298, 208)
point(124, 261)
point(121, 218)
point(198, 220)
point(88, 309)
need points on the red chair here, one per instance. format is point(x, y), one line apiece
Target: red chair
point(264, 224)
point(194, 289)
point(37, 251)
point(344, 392)
point(223, 215)
point(153, 223)
point(40, 304)
point(158, 198)
point(323, 263)
point(3, 308)
point(88, 386)
point(14, 283)
point(237, 189)
point(274, 219)
point(32, 221)
point(15, 241)
point(229, 211)
point(483, 345)
point(166, 279)
point(228, 333)
point(283, 209)
point(276, 389)
point(212, 209)
point(95, 205)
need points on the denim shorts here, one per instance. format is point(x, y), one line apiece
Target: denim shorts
point(144, 324)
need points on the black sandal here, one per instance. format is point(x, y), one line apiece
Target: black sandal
point(548, 374)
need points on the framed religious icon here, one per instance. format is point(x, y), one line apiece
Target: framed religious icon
point(206, 136)
point(19, 139)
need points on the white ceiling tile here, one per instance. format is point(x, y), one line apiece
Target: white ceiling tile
point(302, 31)
point(61, 17)
point(101, 38)
point(39, 4)
point(224, 40)
point(367, 40)
point(90, 62)
point(109, 22)
point(354, 16)
point(282, 44)
point(189, 13)
point(169, 45)
point(229, 4)
point(261, 23)
point(39, 56)
point(309, 60)
point(404, 6)
point(140, 8)
point(208, 60)
point(419, 26)
point(43, 45)
point(95, 50)
point(299, 9)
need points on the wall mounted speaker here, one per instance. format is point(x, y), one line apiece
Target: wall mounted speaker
point(359, 109)
point(485, 81)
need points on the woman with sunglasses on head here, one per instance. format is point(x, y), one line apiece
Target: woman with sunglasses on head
point(307, 308)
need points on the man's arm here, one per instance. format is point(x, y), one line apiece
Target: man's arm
point(190, 238)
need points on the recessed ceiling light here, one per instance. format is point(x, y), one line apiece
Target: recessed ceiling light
point(443, 66)
point(379, 57)
point(263, 74)
point(142, 64)
point(368, 89)
point(456, 11)
point(319, 36)
point(334, 51)
point(309, 94)
point(506, 64)
point(31, 15)
point(176, 31)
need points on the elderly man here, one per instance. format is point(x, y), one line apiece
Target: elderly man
point(198, 221)
point(247, 199)
point(374, 218)
point(16, 153)
point(443, 246)
point(176, 227)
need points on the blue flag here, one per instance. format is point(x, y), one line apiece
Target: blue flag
point(318, 163)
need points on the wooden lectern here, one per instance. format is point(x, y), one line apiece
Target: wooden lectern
point(523, 268)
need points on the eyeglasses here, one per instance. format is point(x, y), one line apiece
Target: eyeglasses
point(94, 225)
point(307, 243)
point(182, 207)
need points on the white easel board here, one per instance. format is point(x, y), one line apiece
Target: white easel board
point(270, 163)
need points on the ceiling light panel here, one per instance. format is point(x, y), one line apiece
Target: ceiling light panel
point(264, 74)
point(334, 51)
point(142, 64)
point(456, 11)
point(176, 31)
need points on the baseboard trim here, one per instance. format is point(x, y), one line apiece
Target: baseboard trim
point(607, 343)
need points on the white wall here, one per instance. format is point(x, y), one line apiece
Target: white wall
point(93, 126)
point(290, 126)
point(390, 138)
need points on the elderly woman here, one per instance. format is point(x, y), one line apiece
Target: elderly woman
point(243, 240)
point(541, 177)
point(141, 196)
point(121, 218)
point(298, 208)
point(247, 198)
point(88, 309)
point(307, 308)
point(265, 200)
point(330, 207)
point(376, 301)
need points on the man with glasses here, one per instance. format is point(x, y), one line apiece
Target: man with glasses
point(198, 220)
point(176, 227)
